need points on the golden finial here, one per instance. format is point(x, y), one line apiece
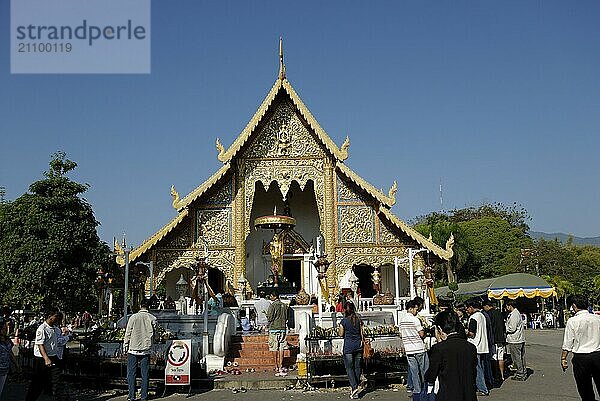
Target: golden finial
point(392, 192)
point(281, 64)
point(119, 251)
point(176, 198)
point(430, 238)
point(450, 242)
point(344, 148)
point(117, 247)
point(221, 150)
point(449, 245)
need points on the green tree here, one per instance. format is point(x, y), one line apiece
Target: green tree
point(49, 247)
point(439, 226)
point(495, 245)
point(515, 215)
point(488, 238)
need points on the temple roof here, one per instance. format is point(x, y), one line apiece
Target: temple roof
point(442, 253)
point(386, 200)
point(282, 84)
point(160, 234)
point(340, 154)
point(201, 190)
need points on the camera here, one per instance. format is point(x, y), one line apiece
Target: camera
point(429, 331)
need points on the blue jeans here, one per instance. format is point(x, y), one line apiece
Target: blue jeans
point(487, 370)
point(352, 365)
point(480, 379)
point(133, 361)
point(417, 366)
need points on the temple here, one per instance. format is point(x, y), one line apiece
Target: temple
point(283, 164)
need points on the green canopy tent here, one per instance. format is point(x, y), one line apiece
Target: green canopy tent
point(511, 286)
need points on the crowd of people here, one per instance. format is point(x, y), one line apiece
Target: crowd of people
point(466, 351)
point(473, 348)
point(467, 358)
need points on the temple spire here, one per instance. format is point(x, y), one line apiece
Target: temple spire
point(281, 64)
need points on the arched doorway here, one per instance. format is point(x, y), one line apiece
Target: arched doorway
point(216, 280)
point(173, 277)
point(387, 280)
point(365, 280)
point(292, 272)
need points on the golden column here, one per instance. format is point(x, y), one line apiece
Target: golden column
point(329, 223)
point(239, 231)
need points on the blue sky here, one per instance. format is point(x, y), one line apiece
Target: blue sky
point(498, 100)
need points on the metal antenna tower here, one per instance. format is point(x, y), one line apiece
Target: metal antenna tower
point(441, 196)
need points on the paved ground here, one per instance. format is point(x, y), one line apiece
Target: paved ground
point(546, 383)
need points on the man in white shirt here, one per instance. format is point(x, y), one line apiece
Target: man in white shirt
point(478, 336)
point(412, 334)
point(515, 338)
point(582, 338)
point(262, 306)
point(137, 343)
point(63, 336)
point(45, 368)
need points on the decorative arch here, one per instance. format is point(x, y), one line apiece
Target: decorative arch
point(282, 172)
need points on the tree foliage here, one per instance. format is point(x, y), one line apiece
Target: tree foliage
point(49, 247)
point(492, 240)
point(488, 239)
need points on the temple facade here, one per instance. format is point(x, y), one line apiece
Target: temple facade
point(284, 163)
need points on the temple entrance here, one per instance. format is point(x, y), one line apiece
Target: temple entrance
point(216, 280)
point(387, 280)
point(300, 204)
point(365, 280)
point(292, 272)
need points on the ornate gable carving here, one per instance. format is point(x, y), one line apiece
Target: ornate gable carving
point(180, 237)
point(214, 216)
point(356, 224)
point(167, 260)
point(348, 193)
point(284, 135)
point(222, 196)
point(214, 225)
point(346, 257)
point(389, 234)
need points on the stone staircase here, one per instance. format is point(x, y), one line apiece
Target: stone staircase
point(252, 351)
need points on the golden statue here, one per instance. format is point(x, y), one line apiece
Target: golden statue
point(276, 251)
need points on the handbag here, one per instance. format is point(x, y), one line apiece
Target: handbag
point(368, 350)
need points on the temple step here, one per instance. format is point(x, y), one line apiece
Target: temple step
point(252, 351)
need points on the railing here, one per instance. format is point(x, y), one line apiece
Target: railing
point(365, 304)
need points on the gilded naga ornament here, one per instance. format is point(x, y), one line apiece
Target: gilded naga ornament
point(392, 193)
point(344, 148)
point(221, 149)
point(176, 198)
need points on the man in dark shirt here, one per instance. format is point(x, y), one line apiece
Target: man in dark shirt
point(277, 317)
point(499, 346)
point(453, 361)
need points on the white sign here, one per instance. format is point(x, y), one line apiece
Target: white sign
point(179, 358)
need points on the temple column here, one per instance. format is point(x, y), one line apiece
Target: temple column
point(329, 223)
point(239, 231)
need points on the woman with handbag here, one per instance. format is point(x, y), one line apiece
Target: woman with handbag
point(351, 329)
